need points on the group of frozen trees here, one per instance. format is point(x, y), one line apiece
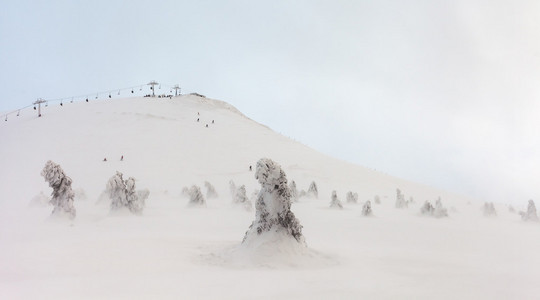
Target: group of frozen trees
point(122, 194)
point(437, 211)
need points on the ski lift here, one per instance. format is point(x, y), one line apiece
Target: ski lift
point(118, 92)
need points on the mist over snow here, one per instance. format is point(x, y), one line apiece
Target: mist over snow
point(163, 246)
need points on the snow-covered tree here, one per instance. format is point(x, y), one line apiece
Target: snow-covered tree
point(196, 197)
point(530, 214)
point(185, 191)
point(335, 203)
point(62, 195)
point(294, 191)
point(440, 211)
point(242, 199)
point(312, 191)
point(352, 197)
point(210, 190)
point(400, 199)
point(377, 199)
point(366, 209)
point(122, 194)
point(232, 189)
point(427, 209)
point(273, 207)
point(489, 209)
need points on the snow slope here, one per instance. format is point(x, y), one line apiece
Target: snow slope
point(173, 251)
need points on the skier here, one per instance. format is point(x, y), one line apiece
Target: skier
point(250, 168)
point(105, 159)
point(122, 158)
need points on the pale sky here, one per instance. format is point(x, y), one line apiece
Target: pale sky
point(439, 92)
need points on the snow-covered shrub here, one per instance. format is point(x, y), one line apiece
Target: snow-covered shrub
point(352, 197)
point(400, 199)
point(294, 191)
point(366, 209)
point(196, 197)
point(530, 214)
point(40, 200)
point(210, 190)
point(62, 195)
point(80, 194)
point(489, 209)
point(335, 203)
point(242, 199)
point(312, 191)
point(273, 208)
point(377, 199)
point(122, 194)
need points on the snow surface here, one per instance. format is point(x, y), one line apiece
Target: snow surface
point(177, 252)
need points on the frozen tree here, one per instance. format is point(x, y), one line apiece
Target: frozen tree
point(294, 191)
point(273, 206)
point(377, 199)
point(242, 199)
point(62, 195)
point(530, 214)
point(489, 209)
point(400, 199)
point(439, 211)
point(232, 189)
point(352, 197)
point(427, 209)
point(366, 209)
point(185, 191)
point(123, 194)
point(312, 191)
point(210, 190)
point(196, 197)
point(335, 203)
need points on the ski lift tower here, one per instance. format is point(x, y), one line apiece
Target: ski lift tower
point(176, 88)
point(38, 102)
point(153, 84)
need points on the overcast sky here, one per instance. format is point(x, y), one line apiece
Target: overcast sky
point(440, 92)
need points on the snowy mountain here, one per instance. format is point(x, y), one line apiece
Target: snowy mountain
point(176, 251)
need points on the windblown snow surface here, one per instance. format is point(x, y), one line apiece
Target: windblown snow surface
point(173, 251)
